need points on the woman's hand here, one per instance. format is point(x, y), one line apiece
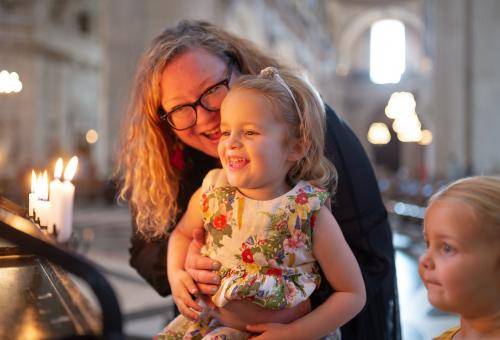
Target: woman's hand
point(182, 288)
point(272, 331)
point(201, 268)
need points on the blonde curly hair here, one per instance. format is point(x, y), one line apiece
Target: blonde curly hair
point(300, 107)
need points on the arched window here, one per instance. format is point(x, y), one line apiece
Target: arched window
point(387, 51)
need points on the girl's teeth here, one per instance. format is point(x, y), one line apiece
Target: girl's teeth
point(236, 162)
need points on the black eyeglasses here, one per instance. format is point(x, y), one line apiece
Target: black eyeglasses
point(184, 116)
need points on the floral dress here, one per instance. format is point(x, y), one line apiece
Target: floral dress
point(265, 248)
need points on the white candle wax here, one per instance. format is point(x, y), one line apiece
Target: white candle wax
point(42, 205)
point(43, 213)
point(31, 204)
point(56, 194)
point(32, 196)
point(66, 212)
point(38, 195)
point(66, 201)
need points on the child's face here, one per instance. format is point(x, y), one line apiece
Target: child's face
point(461, 266)
point(252, 146)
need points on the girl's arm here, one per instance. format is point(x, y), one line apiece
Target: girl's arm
point(181, 283)
point(342, 272)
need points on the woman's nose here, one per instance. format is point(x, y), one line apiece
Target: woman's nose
point(204, 116)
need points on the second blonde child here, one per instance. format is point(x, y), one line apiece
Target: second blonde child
point(461, 266)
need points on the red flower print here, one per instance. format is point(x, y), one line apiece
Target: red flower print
point(220, 222)
point(247, 256)
point(301, 198)
point(274, 271)
point(313, 220)
point(281, 224)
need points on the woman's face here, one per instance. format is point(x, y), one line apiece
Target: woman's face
point(183, 81)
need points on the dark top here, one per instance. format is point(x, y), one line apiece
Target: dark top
point(358, 208)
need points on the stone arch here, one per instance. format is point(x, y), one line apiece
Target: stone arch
point(363, 22)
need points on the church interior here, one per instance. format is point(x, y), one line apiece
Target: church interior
point(416, 80)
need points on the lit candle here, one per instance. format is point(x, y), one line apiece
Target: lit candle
point(68, 194)
point(43, 210)
point(32, 196)
point(56, 194)
point(38, 194)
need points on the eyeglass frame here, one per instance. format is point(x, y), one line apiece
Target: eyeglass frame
point(163, 115)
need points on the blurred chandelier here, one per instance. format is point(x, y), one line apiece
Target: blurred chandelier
point(9, 82)
point(401, 108)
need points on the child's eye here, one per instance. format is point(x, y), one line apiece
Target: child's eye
point(251, 133)
point(447, 249)
point(224, 133)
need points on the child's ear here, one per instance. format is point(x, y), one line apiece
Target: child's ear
point(296, 151)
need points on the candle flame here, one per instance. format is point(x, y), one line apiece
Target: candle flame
point(33, 181)
point(58, 170)
point(70, 170)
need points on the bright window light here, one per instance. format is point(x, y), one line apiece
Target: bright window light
point(387, 51)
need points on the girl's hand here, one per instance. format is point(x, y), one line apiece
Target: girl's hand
point(201, 268)
point(272, 331)
point(182, 287)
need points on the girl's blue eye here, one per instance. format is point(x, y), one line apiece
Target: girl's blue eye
point(447, 249)
point(250, 133)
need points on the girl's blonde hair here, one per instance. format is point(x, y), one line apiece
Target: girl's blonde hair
point(482, 194)
point(300, 107)
point(148, 179)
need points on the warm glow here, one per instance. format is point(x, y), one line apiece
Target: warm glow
point(387, 51)
point(58, 169)
point(91, 136)
point(38, 189)
point(378, 134)
point(400, 104)
point(426, 138)
point(33, 181)
point(410, 136)
point(9, 82)
point(407, 124)
point(42, 188)
point(70, 170)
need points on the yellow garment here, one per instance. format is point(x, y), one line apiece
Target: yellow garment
point(449, 334)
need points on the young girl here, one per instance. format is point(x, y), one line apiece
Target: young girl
point(461, 266)
point(265, 219)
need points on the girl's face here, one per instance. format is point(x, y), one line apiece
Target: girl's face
point(461, 266)
point(184, 80)
point(252, 146)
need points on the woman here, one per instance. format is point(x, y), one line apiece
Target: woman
point(170, 142)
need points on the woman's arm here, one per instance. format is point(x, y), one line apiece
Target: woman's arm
point(342, 272)
point(148, 259)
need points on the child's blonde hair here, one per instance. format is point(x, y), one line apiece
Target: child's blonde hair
point(302, 110)
point(482, 194)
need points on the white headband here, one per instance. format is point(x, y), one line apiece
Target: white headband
point(272, 72)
